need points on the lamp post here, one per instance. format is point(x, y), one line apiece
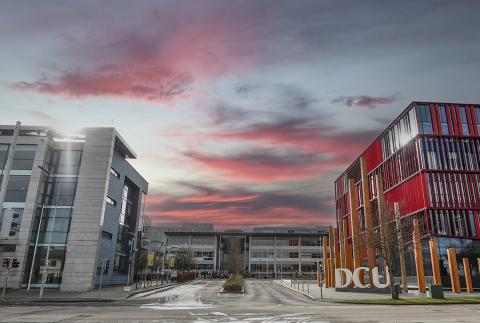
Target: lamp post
point(130, 256)
point(39, 226)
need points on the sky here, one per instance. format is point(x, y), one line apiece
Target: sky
point(242, 113)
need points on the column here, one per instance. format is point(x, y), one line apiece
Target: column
point(435, 263)
point(347, 246)
point(336, 256)
point(341, 240)
point(326, 265)
point(417, 248)
point(331, 240)
point(453, 267)
point(401, 248)
point(468, 275)
point(356, 243)
point(368, 218)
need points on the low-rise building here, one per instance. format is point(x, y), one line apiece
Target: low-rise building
point(266, 252)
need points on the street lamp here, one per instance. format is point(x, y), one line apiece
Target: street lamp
point(39, 226)
point(130, 256)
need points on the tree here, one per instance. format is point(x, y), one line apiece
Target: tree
point(184, 260)
point(234, 265)
point(385, 236)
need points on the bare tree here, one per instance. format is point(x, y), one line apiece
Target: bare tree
point(184, 260)
point(234, 265)
point(385, 239)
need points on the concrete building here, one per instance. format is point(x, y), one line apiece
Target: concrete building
point(82, 197)
point(267, 252)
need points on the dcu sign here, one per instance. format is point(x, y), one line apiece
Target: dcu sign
point(355, 277)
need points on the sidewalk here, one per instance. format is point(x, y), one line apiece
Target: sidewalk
point(329, 294)
point(107, 294)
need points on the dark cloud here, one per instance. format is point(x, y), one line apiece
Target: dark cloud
point(364, 101)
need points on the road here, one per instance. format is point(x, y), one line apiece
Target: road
point(264, 301)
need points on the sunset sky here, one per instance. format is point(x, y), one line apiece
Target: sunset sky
point(242, 113)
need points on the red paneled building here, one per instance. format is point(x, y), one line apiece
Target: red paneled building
point(429, 162)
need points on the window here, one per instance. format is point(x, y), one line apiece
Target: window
point(3, 155)
point(477, 113)
point(464, 121)
point(444, 120)
point(110, 201)
point(426, 119)
point(65, 162)
point(106, 235)
point(61, 191)
point(17, 189)
point(114, 173)
point(23, 157)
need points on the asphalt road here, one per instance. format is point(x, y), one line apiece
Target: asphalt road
point(264, 301)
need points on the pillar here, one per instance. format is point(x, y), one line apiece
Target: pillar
point(417, 249)
point(326, 265)
point(356, 243)
point(435, 263)
point(401, 247)
point(453, 268)
point(468, 275)
point(341, 241)
point(367, 208)
point(347, 247)
point(337, 263)
point(331, 269)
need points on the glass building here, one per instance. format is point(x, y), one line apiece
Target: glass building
point(59, 212)
point(429, 161)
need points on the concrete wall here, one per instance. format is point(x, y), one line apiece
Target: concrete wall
point(85, 228)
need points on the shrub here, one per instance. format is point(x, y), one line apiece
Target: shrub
point(233, 284)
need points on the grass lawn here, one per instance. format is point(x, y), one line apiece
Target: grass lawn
point(417, 300)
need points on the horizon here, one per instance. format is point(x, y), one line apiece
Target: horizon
point(242, 114)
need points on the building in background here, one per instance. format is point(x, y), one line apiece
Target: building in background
point(80, 194)
point(267, 252)
point(428, 160)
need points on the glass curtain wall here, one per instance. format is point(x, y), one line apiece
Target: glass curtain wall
point(126, 227)
point(54, 205)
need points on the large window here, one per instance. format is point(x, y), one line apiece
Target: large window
point(24, 157)
point(65, 162)
point(453, 222)
point(3, 155)
point(450, 153)
point(17, 188)
point(425, 119)
point(464, 121)
point(444, 120)
point(399, 134)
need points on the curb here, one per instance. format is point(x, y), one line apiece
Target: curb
point(297, 291)
point(224, 292)
point(155, 290)
point(71, 301)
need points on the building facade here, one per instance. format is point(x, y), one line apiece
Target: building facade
point(266, 252)
point(68, 202)
point(428, 161)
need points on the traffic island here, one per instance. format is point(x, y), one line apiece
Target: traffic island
point(234, 284)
